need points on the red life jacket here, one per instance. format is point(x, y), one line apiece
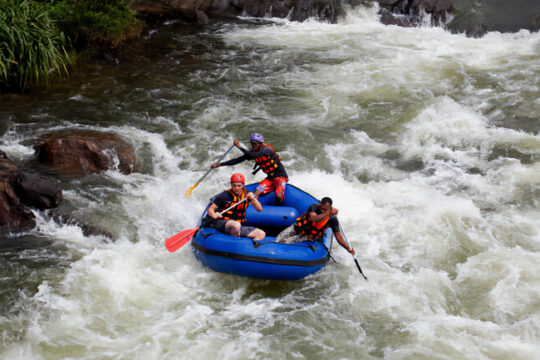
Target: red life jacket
point(238, 212)
point(305, 226)
point(268, 164)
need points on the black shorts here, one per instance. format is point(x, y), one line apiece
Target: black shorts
point(219, 225)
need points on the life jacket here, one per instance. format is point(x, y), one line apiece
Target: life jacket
point(268, 164)
point(305, 226)
point(238, 212)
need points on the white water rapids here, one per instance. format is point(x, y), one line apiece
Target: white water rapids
point(428, 142)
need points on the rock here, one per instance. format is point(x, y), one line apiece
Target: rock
point(202, 18)
point(322, 9)
point(438, 10)
point(14, 215)
point(38, 191)
point(410, 12)
point(389, 18)
point(399, 12)
point(76, 153)
point(326, 10)
point(255, 8)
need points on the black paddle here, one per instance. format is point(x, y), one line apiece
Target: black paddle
point(354, 256)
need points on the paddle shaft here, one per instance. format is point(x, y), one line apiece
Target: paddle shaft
point(175, 242)
point(208, 172)
point(230, 207)
point(354, 256)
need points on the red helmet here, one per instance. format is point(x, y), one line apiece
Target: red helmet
point(238, 178)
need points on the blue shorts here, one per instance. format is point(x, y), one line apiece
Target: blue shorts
point(219, 225)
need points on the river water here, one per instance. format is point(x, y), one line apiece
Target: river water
point(428, 142)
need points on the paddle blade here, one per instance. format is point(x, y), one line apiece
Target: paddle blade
point(190, 190)
point(177, 241)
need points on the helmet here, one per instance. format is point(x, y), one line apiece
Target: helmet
point(238, 178)
point(256, 137)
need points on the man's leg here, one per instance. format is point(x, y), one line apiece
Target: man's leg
point(252, 233)
point(233, 228)
point(286, 236)
point(264, 187)
point(279, 185)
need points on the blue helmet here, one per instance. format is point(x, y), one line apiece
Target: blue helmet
point(256, 137)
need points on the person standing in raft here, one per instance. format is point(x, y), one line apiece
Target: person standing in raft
point(267, 160)
point(231, 222)
point(312, 225)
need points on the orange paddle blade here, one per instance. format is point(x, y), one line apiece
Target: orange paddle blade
point(175, 242)
point(190, 190)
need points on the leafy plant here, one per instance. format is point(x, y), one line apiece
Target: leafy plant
point(32, 48)
point(96, 22)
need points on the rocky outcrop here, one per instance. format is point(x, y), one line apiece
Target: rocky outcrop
point(411, 12)
point(204, 10)
point(38, 191)
point(477, 17)
point(20, 191)
point(14, 215)
point(76, 153)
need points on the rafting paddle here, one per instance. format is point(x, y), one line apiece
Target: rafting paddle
point(354, 256)
point(175, 242)
point(190, 190)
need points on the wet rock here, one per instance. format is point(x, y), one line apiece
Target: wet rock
point(438, 10)
point(14, 215)
point(38, 191)
point(321, 9)
point(256, 8)
point(299, 10)
point(80, 152)
point(475, 18)
point(202, 18)
point(87, 229)
point(410, 12)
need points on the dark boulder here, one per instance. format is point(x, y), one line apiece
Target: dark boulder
point(14, 215)
point(80, 152)
point(438, 10)
point(204, 10)
point(475, 18)
point(38, 191)
point(411, 12)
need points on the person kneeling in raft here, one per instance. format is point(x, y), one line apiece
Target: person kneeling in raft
point(231, 221)
point(267, 160)
point(312, 225)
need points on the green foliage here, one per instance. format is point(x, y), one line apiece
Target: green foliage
point(32, 48)
point(96, 22)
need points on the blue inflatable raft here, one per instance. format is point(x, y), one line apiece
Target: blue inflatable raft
point(265, 259)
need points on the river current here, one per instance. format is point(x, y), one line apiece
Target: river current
point(428, 142)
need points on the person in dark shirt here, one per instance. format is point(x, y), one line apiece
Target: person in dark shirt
point(312, 225)
point(231, 222)
point(268, 161)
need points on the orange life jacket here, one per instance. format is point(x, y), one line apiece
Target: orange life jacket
point(305, 226)
point(238, 212)
point(268, 164)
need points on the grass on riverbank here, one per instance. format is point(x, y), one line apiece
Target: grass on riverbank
point(32, 48)
point(35, 37)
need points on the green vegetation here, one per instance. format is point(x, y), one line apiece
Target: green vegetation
point(35, 36)
point(32, 48)
point(101, 23)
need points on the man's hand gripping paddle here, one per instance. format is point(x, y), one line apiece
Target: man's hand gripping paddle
point(175, 242)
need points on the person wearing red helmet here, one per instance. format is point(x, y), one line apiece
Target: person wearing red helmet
point(267, 160)
point(232, 221)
